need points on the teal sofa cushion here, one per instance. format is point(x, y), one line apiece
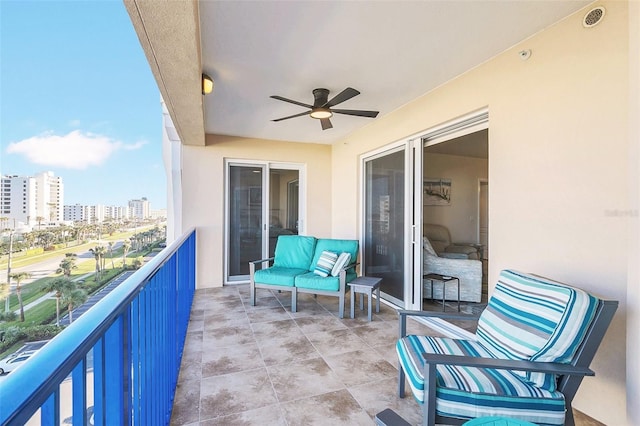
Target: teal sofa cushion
point(294, 251)
point(313, 281)
point(336, 246)
point(278, 275)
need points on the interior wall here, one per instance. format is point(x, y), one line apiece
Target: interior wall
point(204, 185)
point(558, 170)
point(633, 289)
point(461, 216)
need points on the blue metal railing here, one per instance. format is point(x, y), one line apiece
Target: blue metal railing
point(121, 358)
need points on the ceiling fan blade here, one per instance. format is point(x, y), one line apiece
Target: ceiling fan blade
point(326, 123)
point(293, 116)
point(359, 113)
point(345, 95)
point(291, 101)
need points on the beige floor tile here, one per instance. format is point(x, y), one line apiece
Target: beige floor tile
point(231, 360)
point(303, 379)
point(267, 314)
point(336, 341)
point(333, 408)
point(234, 393)
point(271, 415)
point(362, 366)
point(287, 350)
point(227, 336)
point(319, 323)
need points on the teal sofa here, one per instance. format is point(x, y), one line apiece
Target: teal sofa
point(295, 267)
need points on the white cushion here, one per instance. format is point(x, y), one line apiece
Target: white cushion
point(343, 260)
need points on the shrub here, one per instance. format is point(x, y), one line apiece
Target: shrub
point(11, 335)
point(8, 316)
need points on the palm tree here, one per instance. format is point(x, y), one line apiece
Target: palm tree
point(137, 262)
point(67, 264)
point(18, 277)
point(110, 245)
point(98, 253)
point(126, 246)
point(71, 298)
point(5, 292)
point(60, 286)
point(39, 219)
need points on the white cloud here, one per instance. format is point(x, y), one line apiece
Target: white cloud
point(75, 150)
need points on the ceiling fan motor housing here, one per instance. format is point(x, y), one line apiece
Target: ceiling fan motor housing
point(321, 97)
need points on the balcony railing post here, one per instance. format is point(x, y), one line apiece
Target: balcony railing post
point(79, 392)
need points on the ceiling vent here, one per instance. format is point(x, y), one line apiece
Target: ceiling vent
point(593, 17)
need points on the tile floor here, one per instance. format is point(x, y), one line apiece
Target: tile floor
point(264, 365)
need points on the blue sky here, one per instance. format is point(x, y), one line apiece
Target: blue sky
point(77, 98)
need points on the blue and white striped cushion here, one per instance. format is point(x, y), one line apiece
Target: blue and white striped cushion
point(530, 317)
point(468, 392)
point(325, 263)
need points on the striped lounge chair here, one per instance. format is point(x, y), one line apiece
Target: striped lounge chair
point(532, 348)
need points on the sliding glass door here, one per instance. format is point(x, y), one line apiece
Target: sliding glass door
point(263, 201)
point(245, 218)
point(385, 227)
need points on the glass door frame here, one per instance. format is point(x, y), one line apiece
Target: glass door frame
point(406, 146)
point(266, 167)
point(414, 167)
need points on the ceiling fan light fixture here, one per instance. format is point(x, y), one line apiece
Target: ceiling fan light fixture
point(320, 113)
point(207, 84)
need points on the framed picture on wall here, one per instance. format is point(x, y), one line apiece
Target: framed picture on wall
point(437, 192)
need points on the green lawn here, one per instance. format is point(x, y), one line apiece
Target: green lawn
point(21, 261)
point(45, 312)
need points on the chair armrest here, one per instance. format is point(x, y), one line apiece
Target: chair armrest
point(507, 364)
point(255, 262)
point(252, 266)
point(403, 314)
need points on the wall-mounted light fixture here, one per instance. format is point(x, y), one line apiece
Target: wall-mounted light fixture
point(207, 84)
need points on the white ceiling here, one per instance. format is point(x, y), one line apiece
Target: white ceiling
point(393, 52)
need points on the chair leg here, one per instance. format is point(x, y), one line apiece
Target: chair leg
point(252, 293)
point(400, 381)
point(568, 416)
point(341, 305)
point(294, 300)
point(429, 405)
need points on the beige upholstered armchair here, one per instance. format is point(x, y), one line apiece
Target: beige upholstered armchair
point(469, 271)
point(440, 239)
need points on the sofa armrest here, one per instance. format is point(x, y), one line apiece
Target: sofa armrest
point(253, 263)
point(268, 259)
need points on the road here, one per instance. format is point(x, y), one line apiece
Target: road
point(49, 266)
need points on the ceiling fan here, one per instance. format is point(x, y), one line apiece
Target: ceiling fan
point(322, 108)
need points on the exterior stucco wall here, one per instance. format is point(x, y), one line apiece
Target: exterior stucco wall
point(559, 174)
point(203, 192)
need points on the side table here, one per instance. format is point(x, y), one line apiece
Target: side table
point(444, 279)
point(365, 285)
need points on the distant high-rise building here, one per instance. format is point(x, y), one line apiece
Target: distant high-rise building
point(49, 197)
point(74, 213)
point(96, 213)
point(32, 199)
point(140, 209)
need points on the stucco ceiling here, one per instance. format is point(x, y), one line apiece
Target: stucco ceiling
point(392, 52)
